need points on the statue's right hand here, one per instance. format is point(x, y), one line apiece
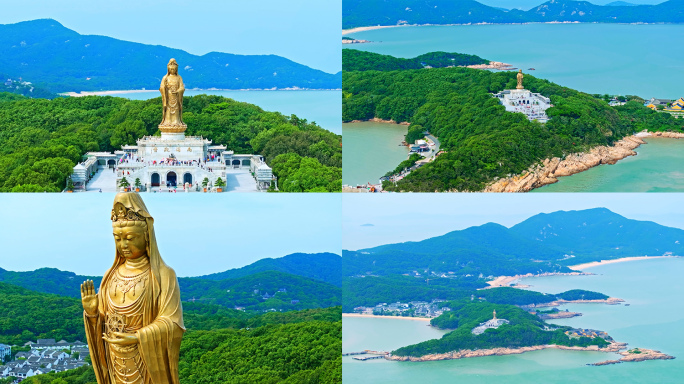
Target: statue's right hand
point(89, 297)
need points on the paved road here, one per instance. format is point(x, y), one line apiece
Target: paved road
point(104, 179)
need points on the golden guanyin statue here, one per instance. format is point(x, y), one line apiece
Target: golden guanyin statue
point(520, 80)
point(172, 90)
point(134, 323)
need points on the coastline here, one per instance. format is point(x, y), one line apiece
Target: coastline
point(614, 347)
point(118, 92)
point(580, 267)
point(385, 317)
point(550, 170)
point(505, 281)
point(370, 28)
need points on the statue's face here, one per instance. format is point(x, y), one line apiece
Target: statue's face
point(130, 241)
point(173, 69)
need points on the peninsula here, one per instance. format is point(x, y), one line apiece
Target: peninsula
point(498, 131)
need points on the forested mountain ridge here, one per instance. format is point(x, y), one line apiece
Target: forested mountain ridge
point(258, 291)
point(360, 13)
point(62, 60)
point(41, 140)
point(455, 265)
point(319, 266)
point(482, 142)
point(543, 242)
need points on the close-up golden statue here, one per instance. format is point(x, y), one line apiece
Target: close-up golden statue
point(172, 90)
point(134, 323)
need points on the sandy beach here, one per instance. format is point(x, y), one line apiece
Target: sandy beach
point(362, 29)
point(107, 93)
point(580, 267)
point(385, 317)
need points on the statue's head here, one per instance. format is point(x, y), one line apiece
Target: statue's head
point(172, 67)
point(130, 232)
point(520, 71)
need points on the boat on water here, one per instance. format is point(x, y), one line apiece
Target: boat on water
point(531, 69)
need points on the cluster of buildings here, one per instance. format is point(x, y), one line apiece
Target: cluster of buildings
point(576, 333)
point(410, 309)
point(492, 323)
point(45, 356)
point(675, 108)
point(532, 105)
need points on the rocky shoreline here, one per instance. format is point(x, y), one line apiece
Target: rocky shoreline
point(551, 169)
point(632, 356)
point(379, 120)
point(614, 347)
point(466, 353)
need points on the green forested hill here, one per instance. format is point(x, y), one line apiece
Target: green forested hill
point(482, 141)
point(524, 330)
point(355, 60)
point(27, 315)
point(599, 234)
point(248, 291)
point(41, 140)
point(359, 13)
point(319, 266)
point(221, 345)
point(44, 51)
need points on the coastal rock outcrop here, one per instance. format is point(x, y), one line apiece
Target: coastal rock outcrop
point(550, 169)
point(612, 347)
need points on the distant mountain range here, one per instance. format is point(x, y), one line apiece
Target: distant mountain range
point(542, 243)
point(360, 13)
point(319, 266)
point(54, 57)
point(285, 283)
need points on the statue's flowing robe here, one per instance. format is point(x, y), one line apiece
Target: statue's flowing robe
point(160, 337)
point(165, 100)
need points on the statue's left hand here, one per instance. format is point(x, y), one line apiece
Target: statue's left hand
point(121, 338)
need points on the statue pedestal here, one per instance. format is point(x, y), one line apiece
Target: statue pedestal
point(173, 136)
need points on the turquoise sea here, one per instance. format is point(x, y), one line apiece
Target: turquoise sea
point(657, 167)
point(369, 150)
point(322, 107)
point(654, 319)
point(629, 59)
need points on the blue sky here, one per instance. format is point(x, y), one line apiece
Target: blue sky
point(375, 219)
point(528, 4)
point(305, 31)
point(197, 234)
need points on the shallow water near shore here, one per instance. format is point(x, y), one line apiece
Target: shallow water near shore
point(323, 107)
point(370, 149)
point(657, 167)
point(654, 319)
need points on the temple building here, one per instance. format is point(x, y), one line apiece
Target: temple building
point(494, 323)
point(532, 105)
point(173, 161)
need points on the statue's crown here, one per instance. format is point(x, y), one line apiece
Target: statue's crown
point(121, 213)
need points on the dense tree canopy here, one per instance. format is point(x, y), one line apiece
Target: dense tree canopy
point(41, 140)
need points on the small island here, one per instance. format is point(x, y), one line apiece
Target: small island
point(485, 329)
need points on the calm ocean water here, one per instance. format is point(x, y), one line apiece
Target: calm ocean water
point(323, 107)
point(594, 58)
point(654, 320)
point(657, 167)
point(369, 150)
